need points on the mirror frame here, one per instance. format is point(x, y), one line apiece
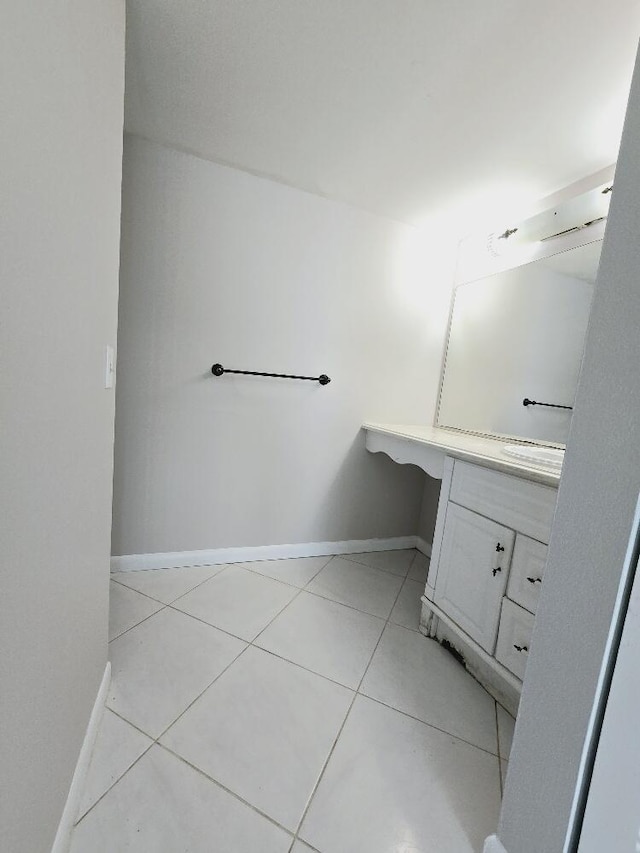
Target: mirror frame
point(474, 253)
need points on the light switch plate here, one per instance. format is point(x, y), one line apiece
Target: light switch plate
point(109, 367)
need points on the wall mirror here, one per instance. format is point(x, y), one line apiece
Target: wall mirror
point(516, 335)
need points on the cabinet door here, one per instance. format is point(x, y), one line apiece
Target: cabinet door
point(514, 638)
point(472, 572)
point(527, 569)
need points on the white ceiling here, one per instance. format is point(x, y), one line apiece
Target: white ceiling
point(406, 108)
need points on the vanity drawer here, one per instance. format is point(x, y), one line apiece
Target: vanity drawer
point(527, 569)
point(519, 504)
point(514, 637)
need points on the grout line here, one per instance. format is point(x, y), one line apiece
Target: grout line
point(248, 646)
point(155, 740)
point(155, 613)
point(252, 644)
point(198, 585)
point(344, 722)
point(305, 668)
point(260, 633)
point(236, 636)
point(131, 589)
point(306, 844)
point(348, 557)
point(350, 606)
point(221, 567)
point(464, 667)
point(247, 566)
point(351, 559)
point(202, 692)
point(203, 622)
point(429, 725)
point(224, 788)
point(113, 784)
point(133, 725)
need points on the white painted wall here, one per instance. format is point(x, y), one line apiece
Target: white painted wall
point(218, 265)
point(596, 502)
point(429, 509)
point(62, 82)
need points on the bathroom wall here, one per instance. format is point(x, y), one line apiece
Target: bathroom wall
point(221, 266)
point(429, 509)
point(62, 84)
point(596, 502)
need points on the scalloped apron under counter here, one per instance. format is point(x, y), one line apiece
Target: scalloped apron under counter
point(428, 446)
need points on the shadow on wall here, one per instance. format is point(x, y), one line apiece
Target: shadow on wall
point(344, 509)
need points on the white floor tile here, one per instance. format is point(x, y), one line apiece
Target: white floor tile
point(264, 730)
point(419, 568)
point(167, 584)
point(301, 847)
point(395, 562)
point(118, 745)
point(506, 726)
point(407, 608)
point(164, 806)
point(324, 636)
point(161, 665)
point(127, 608)
point(238, 601)
point(359, 586)
point(297, 572)
point(416, 675)
point(504, 766)
point(393, 783)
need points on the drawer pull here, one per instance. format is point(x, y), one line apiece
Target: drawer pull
point(499, 547)
point(521, 648)
point(495, 571)
point(534, 580)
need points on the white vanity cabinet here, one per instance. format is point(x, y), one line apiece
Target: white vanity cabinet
point(479, 599)
point(486, 571)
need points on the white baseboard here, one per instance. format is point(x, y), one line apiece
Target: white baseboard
point(493, 845)
point(423, 546)
point(62, 840)
point(217, 556)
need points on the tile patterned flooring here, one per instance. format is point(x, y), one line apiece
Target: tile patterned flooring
point(288, 706)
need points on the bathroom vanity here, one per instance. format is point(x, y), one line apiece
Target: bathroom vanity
point(489, 549)
point(519, 313)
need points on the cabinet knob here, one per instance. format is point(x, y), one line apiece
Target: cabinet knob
point(521, 648)
point(499, 547)
point(496, 570)
point(534, 580)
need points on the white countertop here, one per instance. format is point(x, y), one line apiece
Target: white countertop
point(471, 448)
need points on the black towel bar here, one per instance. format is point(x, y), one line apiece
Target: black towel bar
point(219, 370)
point(528, 402)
